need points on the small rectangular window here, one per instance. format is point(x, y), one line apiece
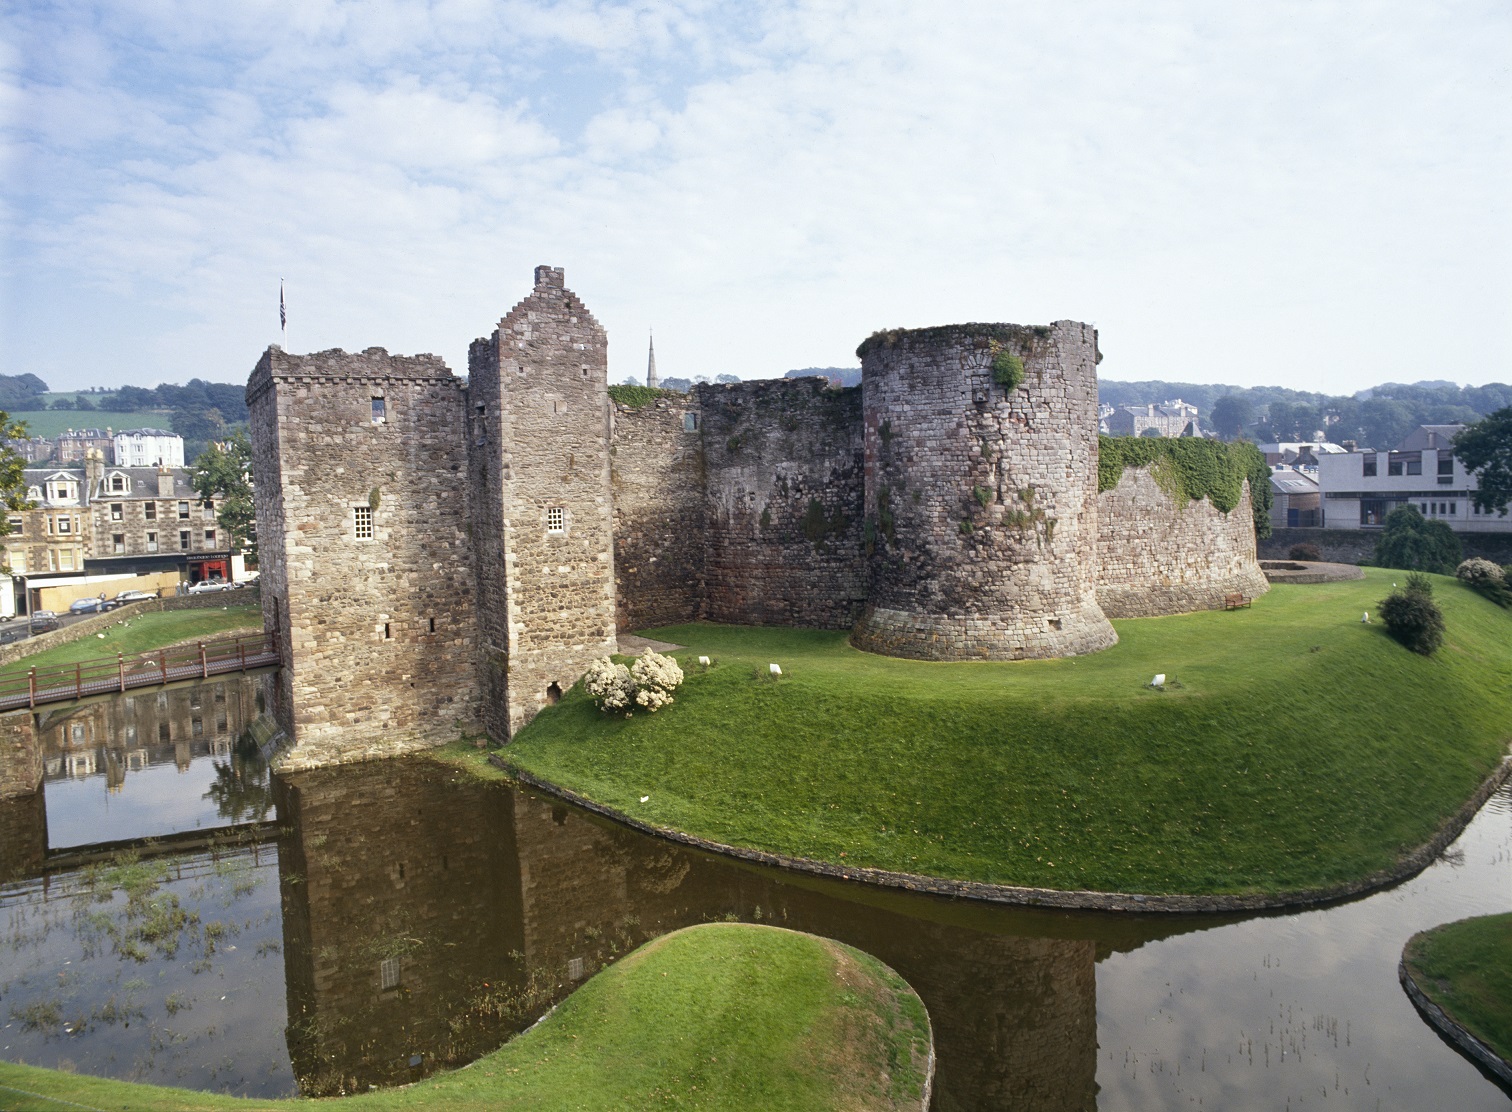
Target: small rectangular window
point(116, 511)
point(388, 974)
point(64, 524)
point(1446, 465)
point(1414, 467)
point(183, 540)
point(380, 411)
point(183, 511)
point(17, 524)
point(209, 538)
point(388, 632)
point(690, 422)
point(1393, 467)
point(118, 543)
point(556, 519)
point(68, 560)
point(1453, 506)
point(150, 509)
point(362, 521)
point(1370, 468)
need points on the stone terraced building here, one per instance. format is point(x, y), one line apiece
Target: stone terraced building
point(441, 556)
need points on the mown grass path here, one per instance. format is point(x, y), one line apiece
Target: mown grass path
point(720, 1016)
point(1296, 748)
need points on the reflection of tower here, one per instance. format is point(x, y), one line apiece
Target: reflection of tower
point(23, 835)
point(394, 878)
point(651, 379)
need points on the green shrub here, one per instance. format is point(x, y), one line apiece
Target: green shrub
point(1413, 619)
point(1410, 542)
point(636, 397)
point(1487, 578)
point(1304, 552)
point(1007, 370)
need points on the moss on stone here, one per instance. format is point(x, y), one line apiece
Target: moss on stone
point(1189, 468)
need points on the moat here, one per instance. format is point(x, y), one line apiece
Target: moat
point(402, 917)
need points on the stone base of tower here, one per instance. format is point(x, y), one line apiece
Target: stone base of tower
point(983, 636)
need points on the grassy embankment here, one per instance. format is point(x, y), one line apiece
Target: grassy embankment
point(143, 633)
point(1466, 969)
point(720, 1016)
point(1301, 748)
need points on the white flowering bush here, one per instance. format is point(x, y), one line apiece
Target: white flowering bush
point(656, 677)
point(1476, 571)
point(609, 684)
point(648, 683)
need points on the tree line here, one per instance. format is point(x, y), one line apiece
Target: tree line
point(1379, 417)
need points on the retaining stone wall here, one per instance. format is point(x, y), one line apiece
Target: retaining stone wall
point(380, 629)
point(785, 503)
point(982, 499)
point(659, 514)
point(1158, 555)
point(23, 835)
point(1357, 546)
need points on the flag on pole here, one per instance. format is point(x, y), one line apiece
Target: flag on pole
point(283, 316)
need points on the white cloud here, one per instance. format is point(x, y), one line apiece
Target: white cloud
point(1245, 194)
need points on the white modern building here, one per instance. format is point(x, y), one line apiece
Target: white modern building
point(1360, 488)
point(148, 448)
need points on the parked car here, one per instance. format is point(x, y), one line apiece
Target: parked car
point(86, 606)
point(208, 585)
point(44, 620)
point(133, 596)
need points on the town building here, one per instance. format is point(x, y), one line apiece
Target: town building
point(1173, 418)
point(1295, 501)
point(149, 519)
point(74, 444)
point(1300, 454)
point(52, 536)
point(147, 448)
point(1361, 488)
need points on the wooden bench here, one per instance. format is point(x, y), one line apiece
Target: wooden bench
point(1235, 602)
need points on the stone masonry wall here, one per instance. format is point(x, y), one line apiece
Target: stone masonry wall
point(982, 500)
point(378, 621)
point(658, 477)
point(1159, 557)
point(539, 461)
point(20, 755)
point(785, 492)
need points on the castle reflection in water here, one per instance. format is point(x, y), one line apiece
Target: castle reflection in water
point(427, 914)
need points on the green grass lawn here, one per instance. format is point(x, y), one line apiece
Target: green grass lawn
point(720, 1016)
point(1466, 969)
point(145, 632)
point(1301, 748)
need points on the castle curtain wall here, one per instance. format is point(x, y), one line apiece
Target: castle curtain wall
point(657, 471)
point(1158, 555)
point(785, 503)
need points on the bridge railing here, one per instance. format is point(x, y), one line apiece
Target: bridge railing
point(122, 672)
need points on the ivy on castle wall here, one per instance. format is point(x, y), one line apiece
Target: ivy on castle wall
point(638, 397)
point(1192, 468)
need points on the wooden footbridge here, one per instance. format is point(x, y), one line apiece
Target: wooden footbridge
point(107, 675)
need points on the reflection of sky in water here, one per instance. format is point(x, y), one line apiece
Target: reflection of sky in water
point(152, 801)
point(205, 1018)
point(1300, 1011)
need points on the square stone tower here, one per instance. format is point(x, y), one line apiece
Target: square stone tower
point(538, 439)
point(366, 570)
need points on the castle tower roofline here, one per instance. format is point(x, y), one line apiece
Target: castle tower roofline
point(335, 364)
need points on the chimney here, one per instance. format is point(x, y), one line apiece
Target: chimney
point(94, 472)
point(552, 276)
point(165, 483)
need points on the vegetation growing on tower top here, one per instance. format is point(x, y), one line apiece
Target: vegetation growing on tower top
point(1192, 468)
point(638, 397)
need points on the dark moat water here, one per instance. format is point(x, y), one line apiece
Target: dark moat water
point(405, 918)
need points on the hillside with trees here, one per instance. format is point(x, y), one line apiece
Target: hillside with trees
point(1378, 417)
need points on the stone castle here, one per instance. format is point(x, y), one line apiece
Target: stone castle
point(440, 555)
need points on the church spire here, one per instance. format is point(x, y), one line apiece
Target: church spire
point(651, 379)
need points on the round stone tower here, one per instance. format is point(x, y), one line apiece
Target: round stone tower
point(981, 492)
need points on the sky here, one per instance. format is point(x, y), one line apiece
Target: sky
point(1307, 194)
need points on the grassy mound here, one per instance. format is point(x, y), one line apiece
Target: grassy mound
point(1466, 969)
point(142, 633)
point(721, 1016)
point(1300, 748)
